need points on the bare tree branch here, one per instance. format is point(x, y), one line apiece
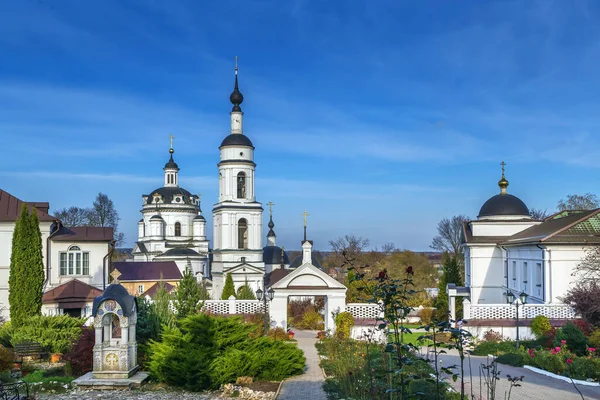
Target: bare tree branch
point(450, 235)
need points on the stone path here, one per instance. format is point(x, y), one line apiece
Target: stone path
point(309, 385)
point(534, 387)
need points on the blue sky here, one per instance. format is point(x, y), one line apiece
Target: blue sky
point(377, 117)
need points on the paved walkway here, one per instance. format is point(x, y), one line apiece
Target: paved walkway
point(534, 386)
point(309, 385)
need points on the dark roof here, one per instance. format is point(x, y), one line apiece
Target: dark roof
point(168, 194)
point(171, 164)
point(298, 261)
point(142, 247)
point(180, 252)
point(574, 227)
point(154, 289)
point(272, 255)
point(199, 216)
point(275, 276)
point(83, 233)
point(119, 294)
point(236, 139)
point(148, 271)
point(158, 217)
point(70, 292)
point(503, 204)
point(10, 208)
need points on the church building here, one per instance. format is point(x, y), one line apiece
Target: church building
point(506, 250)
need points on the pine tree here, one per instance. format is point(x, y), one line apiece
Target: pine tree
point(451, 274)
point(26, 279)
point(229, 289)
point(245, 293)
point(187, 295)
point(162, 302)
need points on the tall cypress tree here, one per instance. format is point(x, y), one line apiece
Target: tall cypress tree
point(451, 274)
point(26, 279)
point(228, 289)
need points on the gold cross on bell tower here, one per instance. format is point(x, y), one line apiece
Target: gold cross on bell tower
point(503, 164)
point(171, 137)
point(305, 214)
point(270, 204)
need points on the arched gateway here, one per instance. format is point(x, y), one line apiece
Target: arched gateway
point(306, 280)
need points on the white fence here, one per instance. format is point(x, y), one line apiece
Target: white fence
point(233, 306)
point(364, 310)
point(508, 311)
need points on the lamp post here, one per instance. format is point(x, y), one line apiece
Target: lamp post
point(510, 299)
point(264, 297)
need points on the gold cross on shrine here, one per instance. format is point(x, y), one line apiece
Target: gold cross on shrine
point(115, 274)
point(305, 214)
point(171, 137)
point(503, 164)
point(270, 204)
point(112, 360)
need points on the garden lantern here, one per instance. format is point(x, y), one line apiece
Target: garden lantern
point(265, 296)
point(522, 300)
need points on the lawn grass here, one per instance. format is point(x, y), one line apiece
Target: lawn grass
point(412, 338)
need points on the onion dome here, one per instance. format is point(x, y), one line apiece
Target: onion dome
point(236, 139)
point(172, 195)
point(272, 255)
point(171, 164)
point(271, 225)
point(503, 204)
point(236, 98)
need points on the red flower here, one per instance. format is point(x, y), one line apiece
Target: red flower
point(558, 349)
point(591, 349)
point(382, 275)
point(569, 361)
point(563, 342)
point(409, 270)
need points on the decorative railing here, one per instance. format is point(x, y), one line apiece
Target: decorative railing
point(233, 306)
point(508, 311)
point(364, 310)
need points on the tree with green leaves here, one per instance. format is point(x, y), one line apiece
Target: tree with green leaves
point(162, 304)
point(451, 274)
point(228, 289)
point(245, 293)
point(187, 296)
point(26, 279)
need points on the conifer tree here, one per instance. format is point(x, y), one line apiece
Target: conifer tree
point(245, 293)
point(162, 302)
point(451, 274)
point(229, 289)
point(26, 279)
point(187, 296)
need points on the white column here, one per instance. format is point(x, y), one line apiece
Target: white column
point(125, 335)
point(98, 331)
point(466, 309)
point(278, 311)
point(231, 304)
point(452, 301)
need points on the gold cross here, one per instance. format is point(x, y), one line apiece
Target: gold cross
point(171, 137)
point(305, 215)
point(503, 164)
point(270, 204)
point(115, 275)
point(112, 360)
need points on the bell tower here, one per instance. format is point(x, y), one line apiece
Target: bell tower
point(237, 216)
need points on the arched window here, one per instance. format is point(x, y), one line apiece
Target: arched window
point(242, 234)
point(177, 229)
point(241, 185)
point(74, 262)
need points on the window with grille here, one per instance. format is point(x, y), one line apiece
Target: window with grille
point(74, 261)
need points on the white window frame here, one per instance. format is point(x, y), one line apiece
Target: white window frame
point(74, 262)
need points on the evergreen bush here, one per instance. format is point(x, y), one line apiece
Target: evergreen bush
point(245, 293)
point(344, 322)
point(205, 351)
point(228, 289)
point(6, 332)
point(55, 333)
point(540, 326)
point(576, 340)
point(187, 296)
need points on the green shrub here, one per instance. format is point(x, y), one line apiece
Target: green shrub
point(513, 359)
point(55, 333)
point(594, 339)
point(6, 332)
point(576, 340)
point(584, 368)
point(229, 288)
point(540, 326)
point(205, 351)
point(494, 348)
point(550, 362)
point(311, 320)
point(7, 358)
point(277, 334)
point(344, 322)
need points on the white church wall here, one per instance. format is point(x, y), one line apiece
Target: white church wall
point(487, 274)
point(562, 262)
point(497, 228)
point(96, 250)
